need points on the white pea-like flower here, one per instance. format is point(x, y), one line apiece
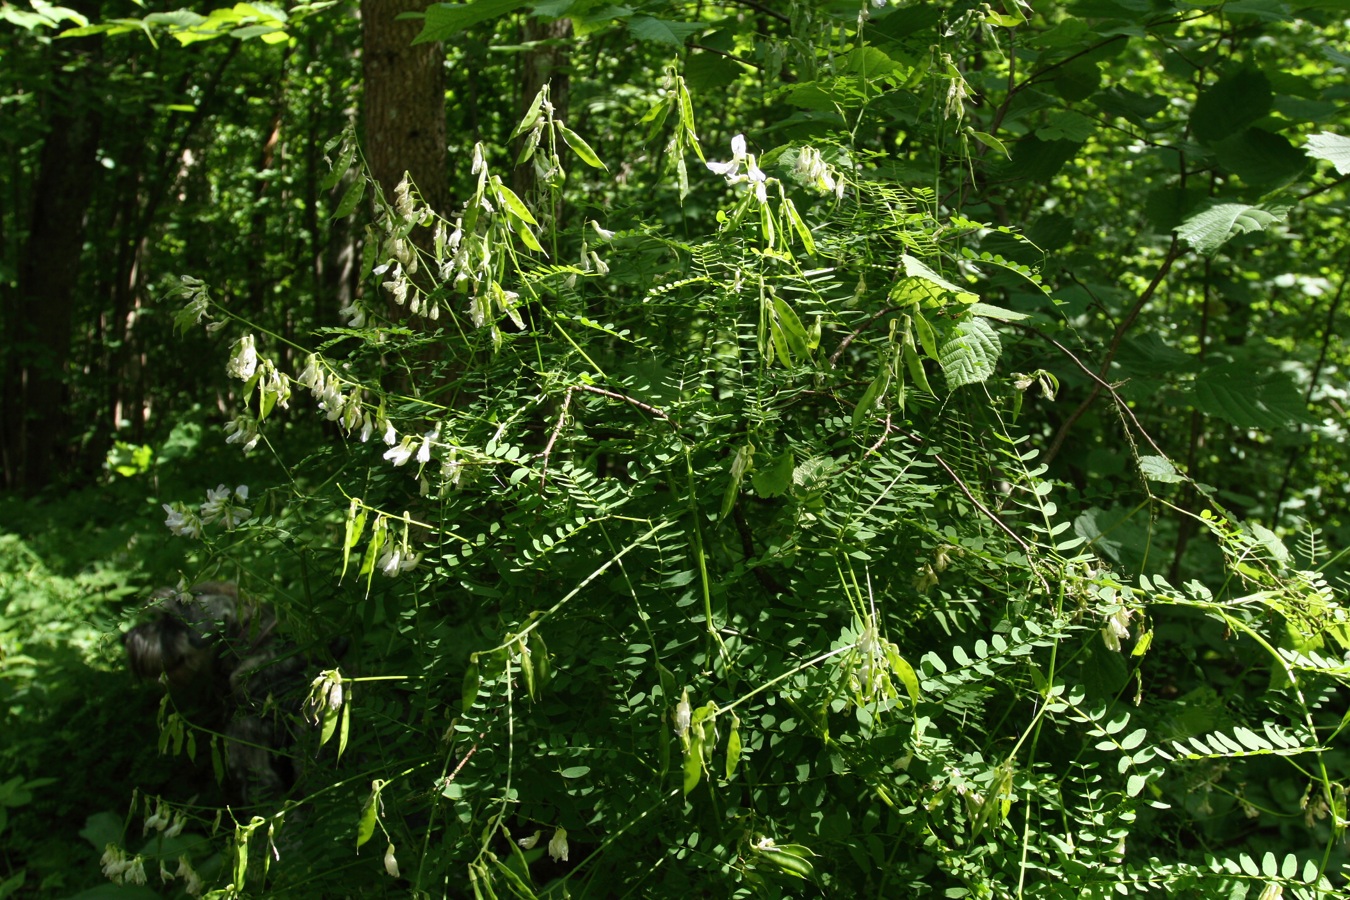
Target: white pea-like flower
point(244, 360)
point(557, 845)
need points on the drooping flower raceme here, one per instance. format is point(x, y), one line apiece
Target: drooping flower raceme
point(732, 170)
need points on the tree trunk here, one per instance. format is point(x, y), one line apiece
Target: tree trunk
point(404, 102)
point(37, 325)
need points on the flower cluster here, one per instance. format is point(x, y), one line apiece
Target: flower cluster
point(1117, 629)
point(221, 505)
point(120, 868)
point(164, 820)
point(732, 170)
point(812, 170)
point(399, 557)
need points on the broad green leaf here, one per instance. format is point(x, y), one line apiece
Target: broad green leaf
point(1332, 148)
point(917, 268)
point(445, 20)
point(997, 312)
point(1231, 104)
point(1210, 229)
point(662, 31)
point(969, 351)
point(1157, 468)
point(1233, 392)
point(775, 480)
point(350, 198)
point(1261, 157)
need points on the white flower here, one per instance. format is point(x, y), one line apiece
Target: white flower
point(1117, 629)
point(737, 155)
point(355, 314)
point(424, 451)
point(135, 873)
point(390, 863)
point(397, 559)
point(527, 843)
point(194, 881)
point(557, 845)
point(114, 863)
point(182, 521)
point(604, 234)
point(242, 430)
point(402, 453)
point(390, 560)
point(311, 376)
point(244, 360)
point(367, 428)
point(216, 499)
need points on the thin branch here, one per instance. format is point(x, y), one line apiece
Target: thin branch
point(1102, 384)
point(626, 399)
point(984, 510)
point(843, 345)
point(553, 438)
point(1173, 252)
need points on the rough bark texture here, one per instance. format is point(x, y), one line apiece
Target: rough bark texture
point(404, 102)
point(39, 317)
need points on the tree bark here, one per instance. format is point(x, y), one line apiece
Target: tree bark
point(38, 321)
point(404, 102)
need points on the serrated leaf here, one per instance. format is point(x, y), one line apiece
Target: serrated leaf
point(969, 352)
point(1269, 401)
point(1158, 468)
point(1231, 104)
point(662, 31)
point(445, 20)
point(1332, 148)
point(1210, 228)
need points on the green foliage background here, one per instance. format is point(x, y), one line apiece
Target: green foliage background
point(890, 449)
